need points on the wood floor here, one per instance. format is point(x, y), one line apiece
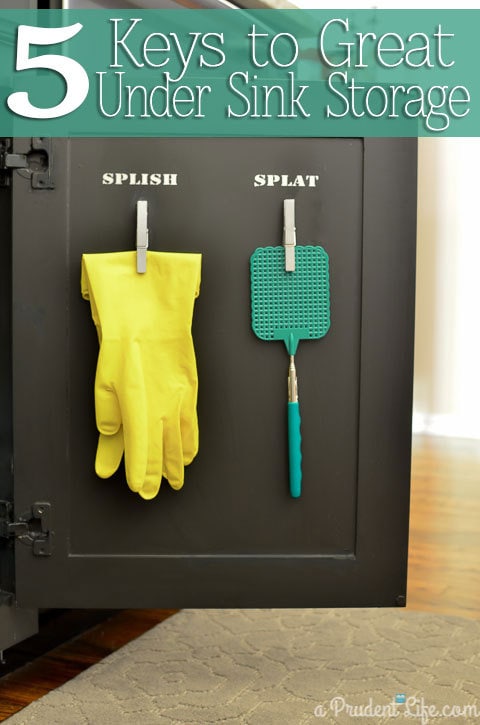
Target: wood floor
point(444, 574)
point(444, 546)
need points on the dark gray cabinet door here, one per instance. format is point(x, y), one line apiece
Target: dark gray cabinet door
point(232, 536)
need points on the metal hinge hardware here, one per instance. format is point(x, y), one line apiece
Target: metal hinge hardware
point(35, 165)
point(32, 528)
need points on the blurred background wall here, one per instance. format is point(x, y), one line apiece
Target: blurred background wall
point(447, 336)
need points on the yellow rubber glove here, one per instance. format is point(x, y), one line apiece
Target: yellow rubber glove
point(146, 381)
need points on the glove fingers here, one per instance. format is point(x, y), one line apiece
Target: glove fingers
point(135, 437)
point(133, 405)
point(189, 426)
point(153, 477)
point(173, 453)
point(107, 409)
point(190, 441)
point(109, 454)
point(107, 412)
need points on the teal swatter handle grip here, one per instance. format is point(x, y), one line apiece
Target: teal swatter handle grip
point(294, 449)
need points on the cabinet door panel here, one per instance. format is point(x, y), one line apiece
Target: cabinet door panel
point(232, 536)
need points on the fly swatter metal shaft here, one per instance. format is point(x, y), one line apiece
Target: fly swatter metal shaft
point(294, 432)
point(292, 381)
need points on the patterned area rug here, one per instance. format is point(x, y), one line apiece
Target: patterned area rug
point(278, 666)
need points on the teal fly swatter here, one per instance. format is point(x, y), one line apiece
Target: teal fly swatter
point(290, 305)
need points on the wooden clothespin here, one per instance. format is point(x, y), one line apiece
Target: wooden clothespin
point(289, 234)
point(142, 236)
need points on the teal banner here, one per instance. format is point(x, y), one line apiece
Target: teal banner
point(239, 73)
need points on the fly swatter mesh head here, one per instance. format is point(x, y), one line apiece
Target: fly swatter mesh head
point(290, 302)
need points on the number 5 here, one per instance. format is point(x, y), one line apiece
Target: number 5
point(73, 73)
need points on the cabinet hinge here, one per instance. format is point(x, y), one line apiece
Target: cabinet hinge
point(36, 164)
point(32, 528)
